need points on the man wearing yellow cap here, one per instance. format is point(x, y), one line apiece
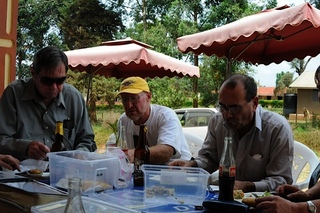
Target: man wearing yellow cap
point(165, 135)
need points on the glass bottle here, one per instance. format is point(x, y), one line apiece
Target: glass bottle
point(74, 203)
point(58, 144)
point(123, 139)
point(141, 156)
point(227, 171)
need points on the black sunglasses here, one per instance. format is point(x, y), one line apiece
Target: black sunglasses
point(49, 81)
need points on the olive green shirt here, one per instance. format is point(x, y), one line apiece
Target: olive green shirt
point(25, 118)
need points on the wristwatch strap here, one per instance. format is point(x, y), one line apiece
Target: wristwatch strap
point(311, 207)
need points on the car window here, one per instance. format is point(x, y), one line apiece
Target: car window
point(198, 118)
point(194, 118)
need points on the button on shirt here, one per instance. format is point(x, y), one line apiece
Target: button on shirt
point(25, 118)
point(263, 156)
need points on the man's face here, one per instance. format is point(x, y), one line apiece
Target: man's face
point(236, 111)
point(137, 106)
point(50, 84)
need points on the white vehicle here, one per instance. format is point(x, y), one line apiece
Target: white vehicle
point(195, 120)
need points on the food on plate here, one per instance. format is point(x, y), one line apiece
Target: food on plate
point(250, 201)
point(35, 171)
point(86, 185)
point(238, 194)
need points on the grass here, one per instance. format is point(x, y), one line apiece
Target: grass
point(101, 129)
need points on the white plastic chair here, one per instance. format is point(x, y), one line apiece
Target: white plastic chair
point(304, 161)
point(194, 142)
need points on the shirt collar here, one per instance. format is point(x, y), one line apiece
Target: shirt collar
point(258, 122)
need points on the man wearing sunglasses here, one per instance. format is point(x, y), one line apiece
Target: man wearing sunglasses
point(29, 110)
point(262, 140)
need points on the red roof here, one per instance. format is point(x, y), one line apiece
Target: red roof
point(265, 91)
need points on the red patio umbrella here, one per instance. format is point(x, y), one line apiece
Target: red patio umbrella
point(274, 35)
point(128, 57)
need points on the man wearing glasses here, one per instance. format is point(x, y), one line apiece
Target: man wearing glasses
point(164, 135)
point(29, 110)
point(262, 140)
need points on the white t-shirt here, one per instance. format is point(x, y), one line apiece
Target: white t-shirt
point(163, 128)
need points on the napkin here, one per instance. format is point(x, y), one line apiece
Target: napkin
point(28, 164)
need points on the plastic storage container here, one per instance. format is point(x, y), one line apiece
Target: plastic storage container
point(90, 206)
point(177, 185)
point(97, 171)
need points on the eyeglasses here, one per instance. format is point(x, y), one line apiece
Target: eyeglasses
point(49, 81)
point(233, 109)
point(133, 99)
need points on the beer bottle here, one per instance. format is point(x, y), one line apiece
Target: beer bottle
point(141, 156)
point(58, 144)
point(227, 171)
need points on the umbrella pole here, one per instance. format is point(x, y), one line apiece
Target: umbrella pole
point(89, 87)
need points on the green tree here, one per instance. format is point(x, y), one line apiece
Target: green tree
point(86, 23)
point(283, 81)
point(35, 31)
point(299, 65)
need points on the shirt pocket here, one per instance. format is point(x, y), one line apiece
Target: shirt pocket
point(256, 168)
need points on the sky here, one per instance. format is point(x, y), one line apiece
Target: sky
point(266, 75)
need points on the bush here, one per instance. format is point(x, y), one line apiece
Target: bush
point(271, 103)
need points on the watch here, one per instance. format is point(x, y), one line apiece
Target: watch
point(311, 207)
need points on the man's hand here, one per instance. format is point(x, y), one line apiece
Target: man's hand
point(245, 186)
point(37, 150)
point(183, 163)
point(275, 204)
point(292, 193)
point(9, 162)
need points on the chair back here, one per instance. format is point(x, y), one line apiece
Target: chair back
point(314, 177)
point(194, 142)
point(303, 158)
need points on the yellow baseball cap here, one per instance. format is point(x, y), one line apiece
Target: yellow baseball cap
point(134, 85)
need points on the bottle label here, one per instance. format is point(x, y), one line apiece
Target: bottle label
point(137, 163)
point(232, 171)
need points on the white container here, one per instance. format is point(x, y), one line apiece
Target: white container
point(172, 184)
point(90, 206)
point(98, 172)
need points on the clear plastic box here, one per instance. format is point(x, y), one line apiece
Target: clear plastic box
point(172, 184)
point(90, 206)
point(98, 172)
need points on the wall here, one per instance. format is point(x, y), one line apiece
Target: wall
point(308, 98)
point(8, 44)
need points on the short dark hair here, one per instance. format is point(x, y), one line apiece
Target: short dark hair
point(48, 59)
point(248, 83)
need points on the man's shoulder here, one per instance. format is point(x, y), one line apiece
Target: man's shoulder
point(273, 117)
point(158, 108)
point(67, 88)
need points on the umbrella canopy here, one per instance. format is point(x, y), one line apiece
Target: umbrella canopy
point(274, 35)
point(128, 57)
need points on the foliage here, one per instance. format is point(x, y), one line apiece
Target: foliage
point(299, 65)
point(271, 103)
point(283, 81)
point(35, 31)
point(171, 92)
point(86, 23)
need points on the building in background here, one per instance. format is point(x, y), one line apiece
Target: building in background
point(307, 93)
